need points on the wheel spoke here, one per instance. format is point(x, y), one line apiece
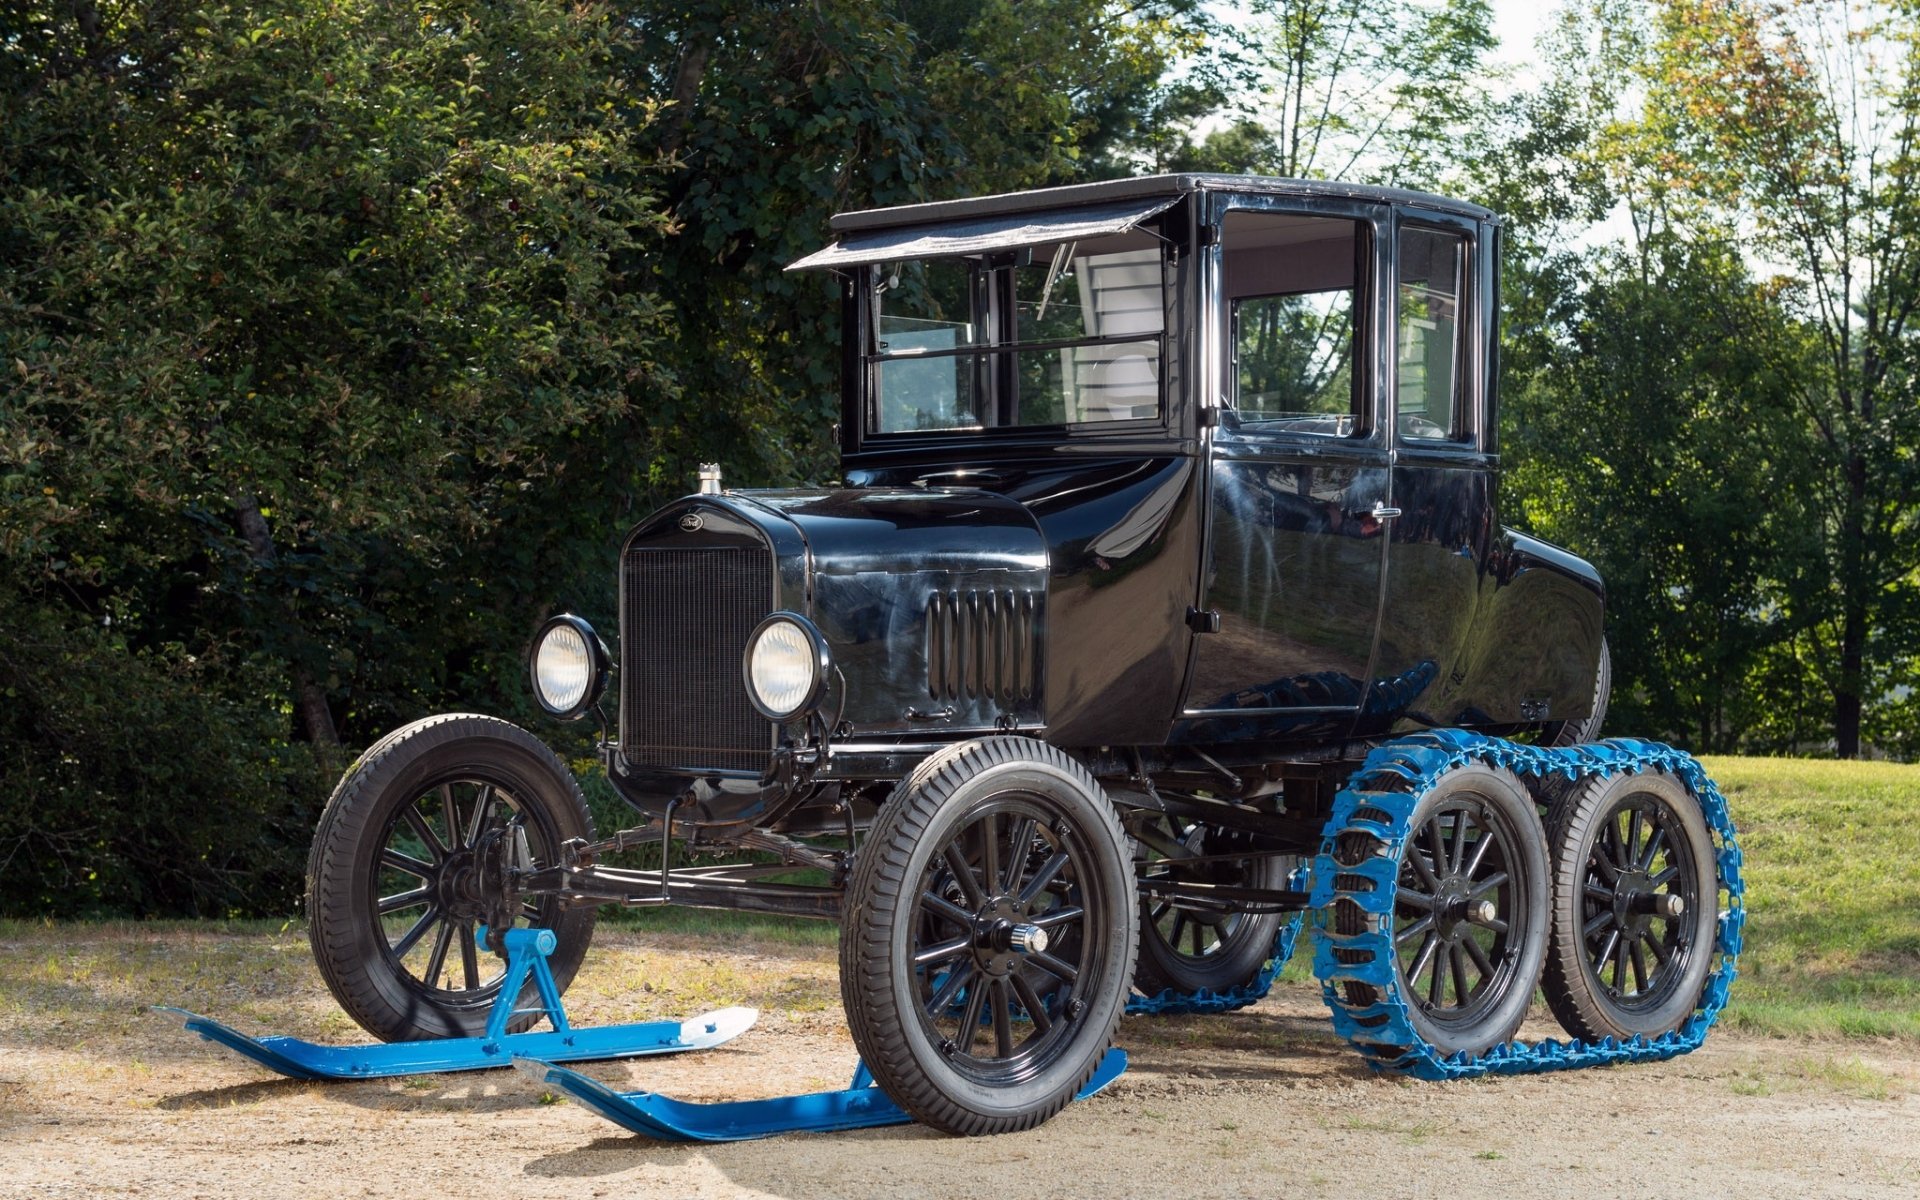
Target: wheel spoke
point(1619, 963)
point(1438, 845)
point(947, 908)
point(400, 900)
point(1199, 945)
point(944, 952)
point(1655, 843)
point(1663, 879)
point(1017, 854)
point(1420, 926)
point(1597, 925)
point(990, 850)
point(469, 957)
point(1421, 867)
point(1481, 845)
point(1606, 951)
point(1639, 960)
point(1179, 927)
point(1044, 877)
point(1059, 916)
point(1030, 1000)
point(970, 1017)
point(451, 809)
point(1437, 986)
point(1630, 852)
point(407, 863)
point(481, 807)
point(948, 989)
point(1660, 951)
point(1595, 891)
point(412, 936)
point(424, 832)
point(1495, 880)
point(1478, 954)
point(1605, 865)
point(1064, 971)
point(437, 962)
point(1419, 900)
point(1002, 1019)
point(1423, 959)
point(1458, 859)
point(1457, 960)
point(963, 875)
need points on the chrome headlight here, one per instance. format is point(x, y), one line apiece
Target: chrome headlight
point(786, 666)
point(568, 665)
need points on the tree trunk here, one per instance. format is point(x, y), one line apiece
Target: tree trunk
point(309, 698)
point(1853, 611)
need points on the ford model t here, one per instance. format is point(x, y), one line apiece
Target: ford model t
point(1166, 503)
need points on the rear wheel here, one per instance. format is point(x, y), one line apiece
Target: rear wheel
point(1470, 903)
point(1635, 900)
point(410, 859)
point(989, 936)
point(1188, 947)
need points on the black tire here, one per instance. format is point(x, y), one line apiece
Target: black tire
point(409, 815)
point(1475, 836)
point(1619, 965)
point(984, 838)
point(1187, 950)
point(1587, 728)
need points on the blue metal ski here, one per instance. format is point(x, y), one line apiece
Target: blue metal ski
point(527, 951)
point(861, 1106)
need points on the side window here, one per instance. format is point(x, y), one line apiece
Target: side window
point(1291, 285)
point(1432, 263)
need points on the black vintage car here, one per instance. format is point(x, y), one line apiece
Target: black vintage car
point(1164, 499)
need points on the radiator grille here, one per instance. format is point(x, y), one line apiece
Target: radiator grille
point(688, 614)
point(981, 645)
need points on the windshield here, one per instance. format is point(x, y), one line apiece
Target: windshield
point(1060, 334)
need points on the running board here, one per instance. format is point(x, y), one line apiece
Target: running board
point(861, 1106)
point(527, 951)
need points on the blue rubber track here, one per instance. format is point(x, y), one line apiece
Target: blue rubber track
point(1378, 802)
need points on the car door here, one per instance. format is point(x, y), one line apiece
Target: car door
point(1441, 305)
point(1299, 466)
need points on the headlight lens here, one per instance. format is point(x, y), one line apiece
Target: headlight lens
point(567, 666)
point(786, 666)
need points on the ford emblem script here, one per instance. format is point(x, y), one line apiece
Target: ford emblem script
point(691, 523)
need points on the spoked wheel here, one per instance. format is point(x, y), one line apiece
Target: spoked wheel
point(988, 941)
point(1469, 925)
point(1635, 900)
point(1187, 947)
point(410, 861)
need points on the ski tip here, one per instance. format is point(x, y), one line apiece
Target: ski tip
point(719, 1025)
point(538, 1070)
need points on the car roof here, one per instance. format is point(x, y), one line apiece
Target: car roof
point(1141, 186)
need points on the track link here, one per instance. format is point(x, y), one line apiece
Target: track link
point(1378, 801)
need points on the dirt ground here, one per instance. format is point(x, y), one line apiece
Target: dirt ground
point(98, 1097)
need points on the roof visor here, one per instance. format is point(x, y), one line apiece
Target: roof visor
point(947, 239)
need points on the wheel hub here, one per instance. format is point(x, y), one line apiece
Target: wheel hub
point(457, 890)
point(1635, 902)
point(1002, 936)
point(1455, 910)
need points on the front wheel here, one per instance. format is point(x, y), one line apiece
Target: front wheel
point(989, 936)
point(410, 859)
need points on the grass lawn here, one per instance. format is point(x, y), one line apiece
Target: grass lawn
point(1832, 855)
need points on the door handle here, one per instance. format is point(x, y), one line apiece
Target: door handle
point(1381, 512)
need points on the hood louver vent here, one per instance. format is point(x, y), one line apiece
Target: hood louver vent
point(983, 644)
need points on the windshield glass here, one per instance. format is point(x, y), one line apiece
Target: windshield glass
point(1063, 334)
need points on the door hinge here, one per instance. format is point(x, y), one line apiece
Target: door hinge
point(1203, 620)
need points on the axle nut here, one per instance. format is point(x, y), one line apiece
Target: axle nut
point(1027, 939)
point(1670, 905)
point(1481, 912)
